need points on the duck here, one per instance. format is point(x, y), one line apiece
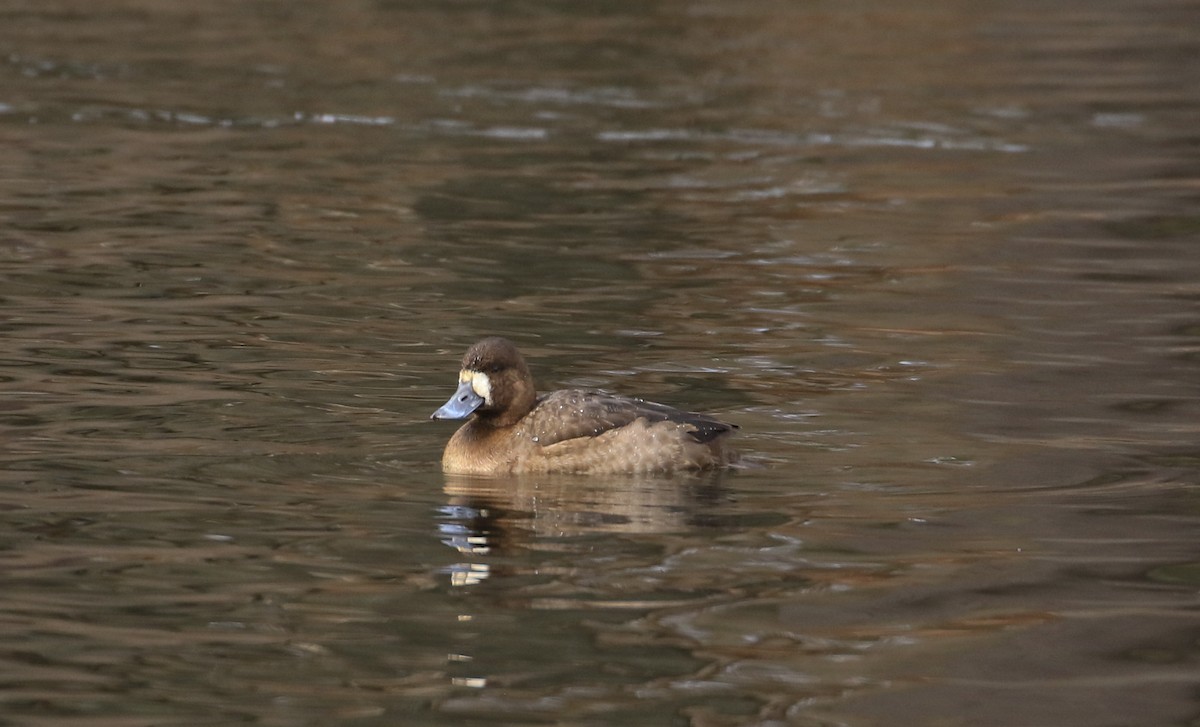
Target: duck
point(510, 429)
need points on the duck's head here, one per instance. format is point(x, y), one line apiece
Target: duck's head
point(494, 385)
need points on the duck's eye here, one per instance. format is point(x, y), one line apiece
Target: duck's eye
point(493, 369)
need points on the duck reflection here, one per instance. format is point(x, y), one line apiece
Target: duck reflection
point(487, 516)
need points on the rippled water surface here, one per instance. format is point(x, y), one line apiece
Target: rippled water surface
point(938, 260)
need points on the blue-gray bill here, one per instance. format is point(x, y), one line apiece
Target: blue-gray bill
point(460, 406)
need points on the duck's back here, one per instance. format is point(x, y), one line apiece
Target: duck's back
point(576, 430)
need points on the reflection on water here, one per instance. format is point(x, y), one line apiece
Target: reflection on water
point(490, 516)
point(937, 262)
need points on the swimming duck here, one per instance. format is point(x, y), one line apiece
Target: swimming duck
point(512, 430)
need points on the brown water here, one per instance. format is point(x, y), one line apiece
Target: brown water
point(938, 260)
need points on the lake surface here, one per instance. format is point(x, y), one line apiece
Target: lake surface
point(940, 261)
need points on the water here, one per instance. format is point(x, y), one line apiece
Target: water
point(938, 262)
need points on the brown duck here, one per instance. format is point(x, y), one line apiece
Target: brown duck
point(511, 430)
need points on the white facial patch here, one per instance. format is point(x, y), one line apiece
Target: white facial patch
point(481, 385)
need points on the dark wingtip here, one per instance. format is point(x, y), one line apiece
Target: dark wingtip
point(706, 430)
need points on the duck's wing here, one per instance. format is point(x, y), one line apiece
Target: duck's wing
point(573, 413)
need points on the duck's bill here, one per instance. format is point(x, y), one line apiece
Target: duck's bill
point(460, 406)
